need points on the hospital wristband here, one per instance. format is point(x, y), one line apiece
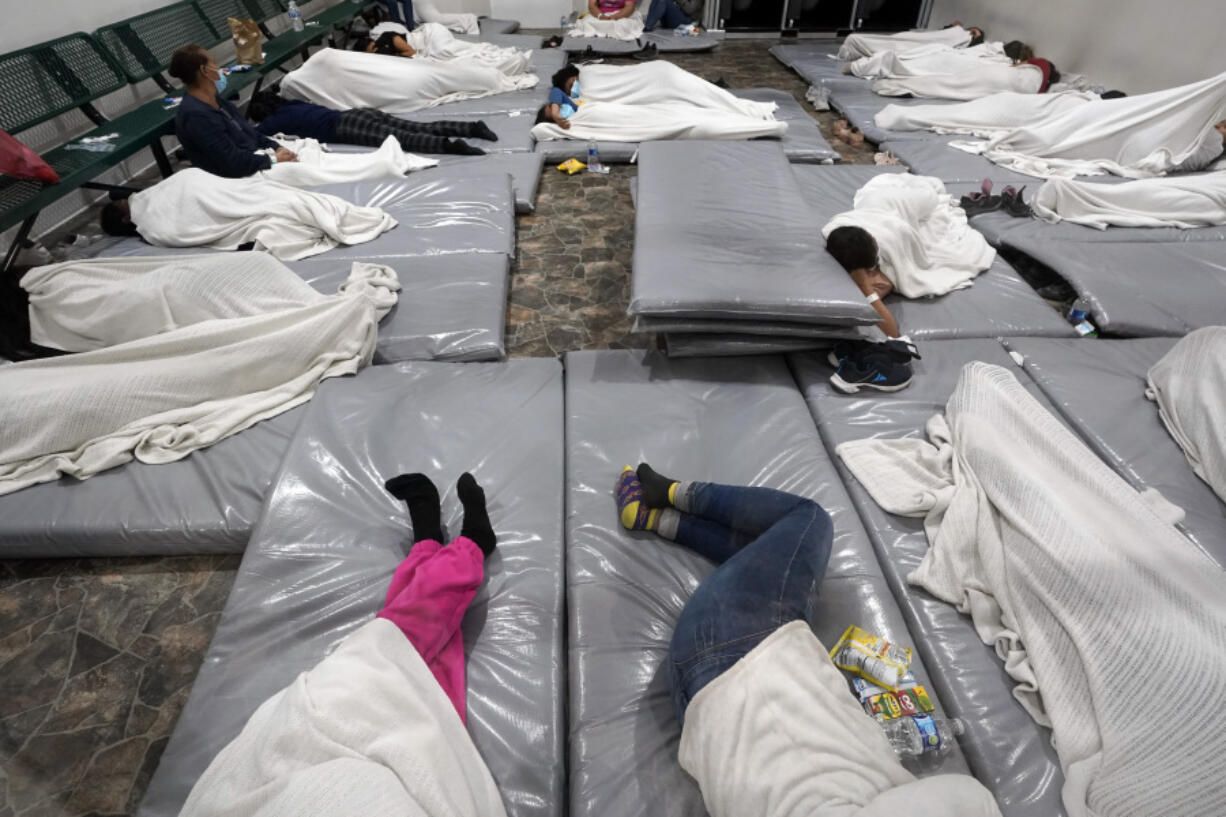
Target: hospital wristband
point(872, 298)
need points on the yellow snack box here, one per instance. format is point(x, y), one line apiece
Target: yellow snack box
point(871, 657)
point(571, 166)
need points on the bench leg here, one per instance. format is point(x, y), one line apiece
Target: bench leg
point(159, 156)
point(23, 232)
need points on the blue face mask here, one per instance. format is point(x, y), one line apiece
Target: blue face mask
point(220, 82)
point(574, 90)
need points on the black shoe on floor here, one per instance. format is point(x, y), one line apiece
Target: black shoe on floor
point(648, 52)
point(980, 202)
point(878, 366)
point(721, 83)
point(1011, 202)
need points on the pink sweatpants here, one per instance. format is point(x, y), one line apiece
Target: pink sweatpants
point(430, 591)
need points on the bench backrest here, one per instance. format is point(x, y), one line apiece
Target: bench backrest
point(52, 78)
point(262, 10)
point(218, 12)
point(143, 44)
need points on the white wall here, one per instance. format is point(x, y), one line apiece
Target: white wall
point(1133, 45)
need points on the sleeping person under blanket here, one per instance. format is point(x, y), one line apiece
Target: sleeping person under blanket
point(434, 42)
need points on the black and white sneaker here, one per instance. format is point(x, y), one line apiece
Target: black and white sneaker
point(842, 350)
point(878, 366)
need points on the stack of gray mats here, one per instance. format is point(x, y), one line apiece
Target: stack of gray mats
point(737, 246)
point(802, 142)
point(735, 421)
point(330, 537)
point(1006, 750)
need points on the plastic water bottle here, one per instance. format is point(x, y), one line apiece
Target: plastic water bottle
point(295, 16)
point(593, 156)
point(916, 735)
point(562, 26)
point(1079, 317)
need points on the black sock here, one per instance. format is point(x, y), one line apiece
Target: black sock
point(419, 493)
point(462, 148)
point(482, 131)
point(655, 486)
point(476, 520)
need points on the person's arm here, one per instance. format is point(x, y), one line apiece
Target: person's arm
point(888, 324)
point(208, 138)
point(625, 12)
point(402, 46)
point(593, 9)
point(555, 113)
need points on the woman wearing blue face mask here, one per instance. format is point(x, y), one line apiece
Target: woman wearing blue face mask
point(215, 135)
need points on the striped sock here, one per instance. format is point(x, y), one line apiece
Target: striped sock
point(634, 512)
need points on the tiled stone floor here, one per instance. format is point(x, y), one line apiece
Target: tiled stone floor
point(97, 656)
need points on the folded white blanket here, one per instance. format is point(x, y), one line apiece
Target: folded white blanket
point(1137, 137)
point(972, 83)
point(985, 117)
point(661, 82)
point(459, 22)
point(176, 353)
point(929, 61)
point(349, 79)
point(317, 166)
point(1183, 200)
point(433, 41)
point(865, 45)
point(925, 245)
point(1189, 386)
point(1093, 600)
point(627, 28)
point(618, 122)
point(193, 208)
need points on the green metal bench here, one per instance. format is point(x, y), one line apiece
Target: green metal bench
point(144, 44)
point(48, 80)
point(218, 13)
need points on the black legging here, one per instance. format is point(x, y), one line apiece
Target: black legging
point(369, 127)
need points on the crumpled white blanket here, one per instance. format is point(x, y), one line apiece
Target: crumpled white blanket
point(661, 82)
point(929, 61)
point(972, 83)
point(175, 354)
point(459, 22)
point(193, 208)
point(865, 45)
point(433, 41)
point(316, 165)
point(925, 245)
point(627, 28)
point(1189, 386)
point(1112, 622)
point(1136, 137)
point(618, 122)
point(1184, 200)
point(350, 79)
point(985, 117)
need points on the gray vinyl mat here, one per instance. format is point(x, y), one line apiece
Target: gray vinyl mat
point(735, 421)
point(1099, 387)
point(1007, 751)
point(450, 307)
point(998, 303)
point(665, 41)
point(330, 537)
point(803, 141)
point(733, 344)
point(490, 27)
point(860, 105)
point(813, 61)
point(514, 132)
point(207, 502)
point(1140, 288)
point(738, 244)
point(647, 324)
point(934, 157)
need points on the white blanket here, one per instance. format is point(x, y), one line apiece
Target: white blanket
point(193, 208)
point(661, 82)
point(1111, 621)
point(973, 83)
point(316, 165)
point(1137, 137)
point(985, 117)
point(175, 354)
point(617, 122)
point(925, 245)
point(865, 45)
point(1189, 386)
point(433, 41)
point(367, 731)
point(459, 22)
point(627, 28)
point(1184, 200)
point(349, 79)
point(929, 61)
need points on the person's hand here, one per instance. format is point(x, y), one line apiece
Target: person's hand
point(286, 155)
point(564, 124)
point(860, 278)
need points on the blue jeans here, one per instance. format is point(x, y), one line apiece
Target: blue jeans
point(772, 548)
point(665, 13)
point(393, 11)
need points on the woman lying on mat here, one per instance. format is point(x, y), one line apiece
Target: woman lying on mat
point(434, 42)
point(377, 726)
point(767, 725)
point(664, 13)
point(368, 127)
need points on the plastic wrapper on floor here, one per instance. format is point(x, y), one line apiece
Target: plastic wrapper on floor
point(330, 537)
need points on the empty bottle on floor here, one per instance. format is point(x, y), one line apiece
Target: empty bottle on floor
point(593, 157)
point(1079, 316)
point(295, 16)
point(916, 735)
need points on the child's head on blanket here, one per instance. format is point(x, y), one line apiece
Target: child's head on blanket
point(856, 250)
point(116, 218)
point(565, 78)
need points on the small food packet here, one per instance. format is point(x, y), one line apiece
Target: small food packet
point(571, 166)
point(871, 657)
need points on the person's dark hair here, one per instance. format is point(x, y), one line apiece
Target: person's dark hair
point(559, 78)
point(542, 116)
point(1113, 94)
point(115, 220)
point(852, 247)
point(976, 39)
point(264, 104)
point(186, 62)
point(360, 44)
point(1018, 51)
point(1053, 77)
